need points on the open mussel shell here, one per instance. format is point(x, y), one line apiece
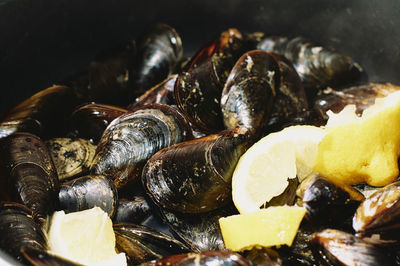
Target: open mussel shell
point(249, 91)
point(200, 231)
point(380, 213)
point(90, 120)
point(159, 49)
point(317, 66)
point(199, 86)
point(202, 258)
point(43, 114)
point(195, 176)
point(71, 157)
point(162, 93)
point(134, 137)
point(328, 203)
point(41, 257)
point(336, 247)
point(362, 96)
point(87, 192)
point(19, 228)
point(132, 211)
point(28, 174)
point(141, 243)
point(110, 75)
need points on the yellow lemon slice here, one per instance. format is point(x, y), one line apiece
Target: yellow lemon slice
point(86, 237)
point(362, 149)
point(273, 226)
point(264, 169)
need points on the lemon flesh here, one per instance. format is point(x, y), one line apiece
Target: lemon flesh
point(264, 169)
point(362, 149)
point(273, 226)
point(86, 237)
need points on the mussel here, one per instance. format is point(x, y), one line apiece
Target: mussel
point(362, 96)
point(87, 192)
point(340, 248)
point(71, 157)
point(41, 257)
point(379, 214)
point(90, 120)
point(28, 174)
point(141, 243)
point(318, 66)
point(159, 49)
point(110, 75)
point(195, 176)
point(199, 86)
point(201, 258)
point(19, 228)
point(249, 91)
point(132, 211)
point(43, 114)
point(132, 138)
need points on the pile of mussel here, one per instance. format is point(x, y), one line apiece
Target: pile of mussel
point(153, 137)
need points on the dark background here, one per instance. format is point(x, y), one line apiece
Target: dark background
point(44, 41)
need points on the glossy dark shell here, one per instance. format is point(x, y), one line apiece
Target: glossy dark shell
point(380, 213)
point(132, 211)
point(134, 137)
point(141, 243)
point(362, 96)
point(195, 176)
point(202, 258)
point(249, 91)
point(43, 114)
point(162, 93)
point(110, 75)
point(90, 120)
point(200, 231)
point(18, 228)
point(87, 192)
point(71, 157)
point(340, 248)
point(199, 86)
point(28, 174)
point(159, 50)
point(317, 66)
point(328, 203)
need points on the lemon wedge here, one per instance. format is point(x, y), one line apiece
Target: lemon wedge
point(264, 169)
point(85, 237)
point(362, 149)
point(273, 226)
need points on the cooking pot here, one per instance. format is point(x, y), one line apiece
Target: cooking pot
point(44, 41)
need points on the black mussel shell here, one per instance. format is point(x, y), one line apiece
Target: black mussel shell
point(132, 211)
point(87, 192)
point(43, 114)
point(90, 120)
point(263, 256)
point(159, 49)
point(199, 86)
point(249, 91)
point(28, 174)
point(328, 203)
point(134, 137)
point(362, 96)
point(71, 157)
point(380, 213)
point(200, 231)
point(195, 176)
point(18, 228)
point(339, 248)
point(142, 243)
point(41, 257)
